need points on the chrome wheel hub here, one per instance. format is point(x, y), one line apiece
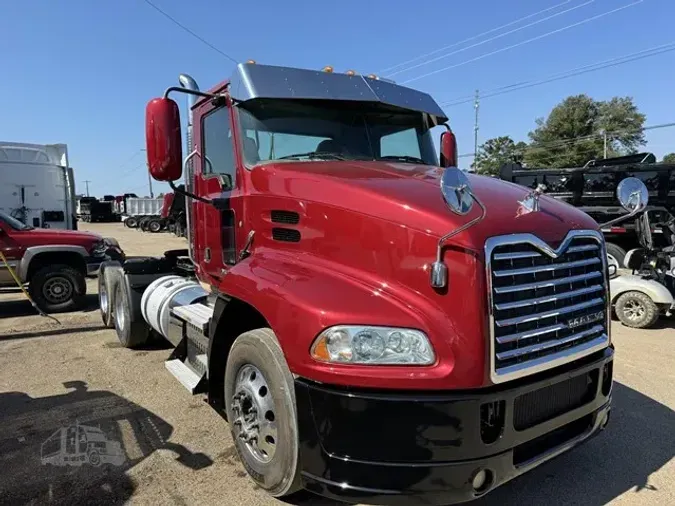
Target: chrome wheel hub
point(103, 297)
point(254, 414)
point(120, 316)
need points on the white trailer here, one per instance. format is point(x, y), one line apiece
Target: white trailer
point(37, 185)
point(137, 208)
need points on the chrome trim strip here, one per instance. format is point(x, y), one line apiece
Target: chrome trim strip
point(529, 333)
point(564, 356)
point(549, 314)
point(549, 298)
point(546, 284)
point(550, 267)
point(533, 254)
point(550, 361)
point(533, 348)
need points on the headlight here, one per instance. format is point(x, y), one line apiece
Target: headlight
point(98, 249)
point(353, 344)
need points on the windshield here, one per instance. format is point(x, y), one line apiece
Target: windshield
point(320, 130)
point(13, 222)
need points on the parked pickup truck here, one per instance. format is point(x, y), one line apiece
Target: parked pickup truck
point(54, 263)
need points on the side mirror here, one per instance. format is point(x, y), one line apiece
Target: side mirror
point(633, 197)
point(632, 194)
point(163, 139)
point(448, 149)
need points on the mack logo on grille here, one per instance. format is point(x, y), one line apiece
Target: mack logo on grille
point(583, 320)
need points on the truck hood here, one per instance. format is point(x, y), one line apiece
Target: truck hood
point(38, 236)
point(410, 195)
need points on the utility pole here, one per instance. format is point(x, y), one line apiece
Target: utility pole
point(604, 133)
point(87, 184)
point(475, 127)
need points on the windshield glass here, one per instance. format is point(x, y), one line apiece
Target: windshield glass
point(13, 222)
point(296, 130)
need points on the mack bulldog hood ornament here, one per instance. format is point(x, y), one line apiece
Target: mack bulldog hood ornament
point(530, 204)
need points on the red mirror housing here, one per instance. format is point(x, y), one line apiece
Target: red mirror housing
point(163, 139)
point(448, 149)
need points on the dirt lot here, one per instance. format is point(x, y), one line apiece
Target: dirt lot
point(176, 450)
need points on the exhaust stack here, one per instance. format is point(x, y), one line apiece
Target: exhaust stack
point(188, 82)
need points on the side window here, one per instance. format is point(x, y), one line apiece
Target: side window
point(402, 143)
point(217, 152)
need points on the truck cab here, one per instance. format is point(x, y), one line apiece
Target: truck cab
point(375, 324)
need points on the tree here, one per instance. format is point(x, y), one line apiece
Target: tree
point(576, 131)
point(669, 158)
point(493, 153)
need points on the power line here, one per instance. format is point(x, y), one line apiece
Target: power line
point(472, 38)
point(585, 69)
point(567, 142)
point(492, 38)
point(533, 39)
point(180, 25)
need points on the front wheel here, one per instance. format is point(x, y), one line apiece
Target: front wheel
point(58, 288)
point(155, 226)
point(636, 310)
point(261, 409)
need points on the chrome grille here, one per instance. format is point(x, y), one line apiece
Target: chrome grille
point(548, 306)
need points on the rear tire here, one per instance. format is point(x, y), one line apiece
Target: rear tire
point(58, 288)
point(618, 253)
point(257, 375)
point(154, 226)
point(131, 333)
point(636, 310)
point(107, 276)
point(131, 222)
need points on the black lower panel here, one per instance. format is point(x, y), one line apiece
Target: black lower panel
point(426, 447)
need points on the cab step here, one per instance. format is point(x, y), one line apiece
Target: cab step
point(195, 382)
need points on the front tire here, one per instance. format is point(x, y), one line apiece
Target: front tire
point(261, 409)
point(58, 288)
point(154, 226)
point(636, 310)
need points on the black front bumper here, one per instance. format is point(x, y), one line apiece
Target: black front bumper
point(426, 447)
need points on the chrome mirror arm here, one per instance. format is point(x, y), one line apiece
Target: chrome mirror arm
point(439, 271)
point(639, 207)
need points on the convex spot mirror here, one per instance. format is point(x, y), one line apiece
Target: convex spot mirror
point(632, 194)
point(163, 139)
point(456, 190)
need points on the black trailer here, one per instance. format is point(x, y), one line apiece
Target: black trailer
point(592, 189)
point(93, 210)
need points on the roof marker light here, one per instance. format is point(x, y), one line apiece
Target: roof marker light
point(328, 69)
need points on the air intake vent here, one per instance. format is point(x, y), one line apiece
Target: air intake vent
point(286, 234)
point(287, 217)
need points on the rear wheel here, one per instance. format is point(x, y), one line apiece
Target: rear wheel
point(107, 276)
point(131, 222)
point(261, 409)
point(154, 226)
point(130, 332)
point(58, 288)
point(636, 310)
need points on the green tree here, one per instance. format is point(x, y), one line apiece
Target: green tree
point(493, 153)
point(669, 158)
point(576, 131)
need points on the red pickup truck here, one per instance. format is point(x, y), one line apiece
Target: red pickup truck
point(53, 263)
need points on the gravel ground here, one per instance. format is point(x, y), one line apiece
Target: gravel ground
point(178, 451)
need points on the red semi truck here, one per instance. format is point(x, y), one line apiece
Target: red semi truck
point(375, 324)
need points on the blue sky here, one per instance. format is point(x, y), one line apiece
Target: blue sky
point(81, 71)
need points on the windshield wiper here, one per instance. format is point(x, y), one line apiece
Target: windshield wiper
point(404, 158)
point(313, 155)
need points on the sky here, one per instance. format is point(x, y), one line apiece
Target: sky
point(81, 71)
